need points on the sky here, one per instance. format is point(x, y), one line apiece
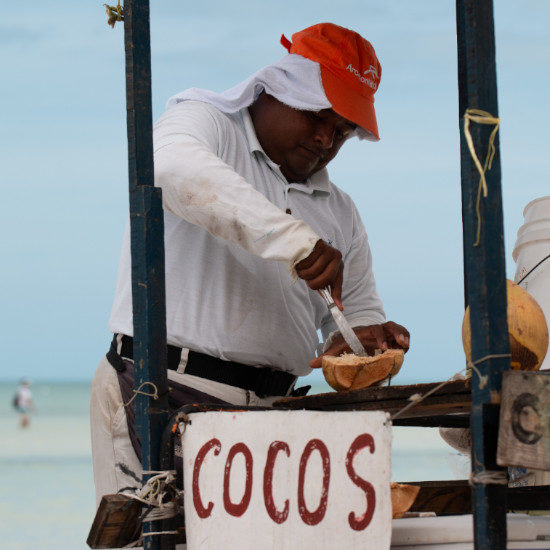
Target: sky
point(63, 157)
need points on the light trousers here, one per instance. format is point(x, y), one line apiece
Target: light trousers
point(115, 463)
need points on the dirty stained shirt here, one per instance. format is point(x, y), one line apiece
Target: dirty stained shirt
point(231, 247)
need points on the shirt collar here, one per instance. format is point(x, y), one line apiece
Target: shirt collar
point(250, 132)
point(317, 182)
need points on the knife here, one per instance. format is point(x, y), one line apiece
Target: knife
point(347, 332)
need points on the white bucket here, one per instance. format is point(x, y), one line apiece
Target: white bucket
point(532, 246)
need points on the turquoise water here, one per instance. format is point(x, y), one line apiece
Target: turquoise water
point(46, 483)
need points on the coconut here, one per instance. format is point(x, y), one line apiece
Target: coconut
point(526, 327)
point(352, 372)
point(402, 498)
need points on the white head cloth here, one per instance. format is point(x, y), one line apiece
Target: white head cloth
point(294, 81)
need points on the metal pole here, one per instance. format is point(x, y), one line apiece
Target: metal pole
point(484, 266)
point(147, 242)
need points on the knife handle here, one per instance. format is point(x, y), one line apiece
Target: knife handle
point(326, 295)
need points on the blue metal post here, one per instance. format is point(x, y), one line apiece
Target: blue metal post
point(484, 266)
point(147, 241)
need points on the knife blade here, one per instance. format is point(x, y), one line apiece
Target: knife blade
point(347, 332)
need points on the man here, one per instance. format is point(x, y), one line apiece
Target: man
point(253, 227)
point(23, 402)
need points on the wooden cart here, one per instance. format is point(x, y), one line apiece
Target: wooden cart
point(478, 404)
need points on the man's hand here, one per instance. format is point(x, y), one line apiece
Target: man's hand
point(323, 268)
point(373, 337)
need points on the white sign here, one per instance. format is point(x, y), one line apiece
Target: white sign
point(287, 479)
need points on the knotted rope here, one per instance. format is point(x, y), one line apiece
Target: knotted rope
point(481, 117)
point(153, 494)
point(154, 395)
point(489, 477)
point(115, 13)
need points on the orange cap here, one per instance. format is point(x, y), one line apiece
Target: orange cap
point(350, 70)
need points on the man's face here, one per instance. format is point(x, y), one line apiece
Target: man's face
point(300, 142)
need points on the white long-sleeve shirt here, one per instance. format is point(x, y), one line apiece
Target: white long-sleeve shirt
point(230, 247)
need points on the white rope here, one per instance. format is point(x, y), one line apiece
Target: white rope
point(483, 379)
point(418, 398)
point(489, 477)
point(139, 542)
point(153, 494)
point(153, 533)
point(168, 511)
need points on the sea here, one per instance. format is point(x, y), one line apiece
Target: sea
point(46, 483)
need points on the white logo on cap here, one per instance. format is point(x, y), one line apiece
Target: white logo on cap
point(371, 70)
point(365, 79)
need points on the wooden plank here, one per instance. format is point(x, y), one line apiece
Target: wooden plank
point(436, 421)
point(524, 433)
point(455, 498)
point(437, 406)
point(116, 522)
point(444, 498)
point(448, 400)
point(528, 498)
point(373, 394)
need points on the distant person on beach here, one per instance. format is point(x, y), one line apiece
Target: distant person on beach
point(253, 225)
point(23, 402)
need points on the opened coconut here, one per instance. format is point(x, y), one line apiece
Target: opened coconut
point(352, 372)
point(526, 326)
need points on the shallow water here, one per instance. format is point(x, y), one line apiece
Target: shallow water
point(46, 498)
point(46, 483)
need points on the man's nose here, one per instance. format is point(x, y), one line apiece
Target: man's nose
point(324, 135)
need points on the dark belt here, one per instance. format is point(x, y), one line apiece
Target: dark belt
point(263, 381)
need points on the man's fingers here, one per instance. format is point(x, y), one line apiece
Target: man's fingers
point(372, 337)
point(402, 340)
point(327, 277)
point(370, 345)
point(322, 267)
point(315, 363)
point(325, 266)
point(398, 333)
point(378, 333)
point(316, 268)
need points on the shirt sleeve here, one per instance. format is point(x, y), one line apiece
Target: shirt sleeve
point(362, 305)
point(204, 190)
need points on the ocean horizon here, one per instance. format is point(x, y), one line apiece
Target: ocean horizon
point(46, 484)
